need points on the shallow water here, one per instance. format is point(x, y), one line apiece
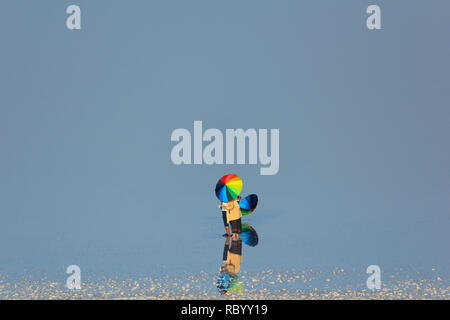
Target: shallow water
point(258, 285)
point(187, 266)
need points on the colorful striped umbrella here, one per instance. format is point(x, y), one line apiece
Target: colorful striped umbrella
point(228, 187)
point(248, 204)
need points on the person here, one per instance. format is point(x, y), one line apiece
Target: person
point(233, 215)
point(225, 221)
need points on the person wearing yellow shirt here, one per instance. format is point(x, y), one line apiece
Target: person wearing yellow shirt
point(233, 215)
point(225, 221)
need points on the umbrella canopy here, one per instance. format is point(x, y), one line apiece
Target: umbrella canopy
point(248, 204)
point(248, 235)
point(228, 187)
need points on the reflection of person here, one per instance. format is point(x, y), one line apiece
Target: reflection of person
point(233, 257)
point(233, 216)
point(228, 280)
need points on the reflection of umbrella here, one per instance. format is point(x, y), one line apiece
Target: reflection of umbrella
point(248, 204)
point(229, 283)
point(228, 187)
point(222, 282)
point(235, 285)
point(248, 235)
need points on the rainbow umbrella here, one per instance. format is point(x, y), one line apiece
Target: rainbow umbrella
point(228, 187)
point(248, 204)
point(248, 235)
